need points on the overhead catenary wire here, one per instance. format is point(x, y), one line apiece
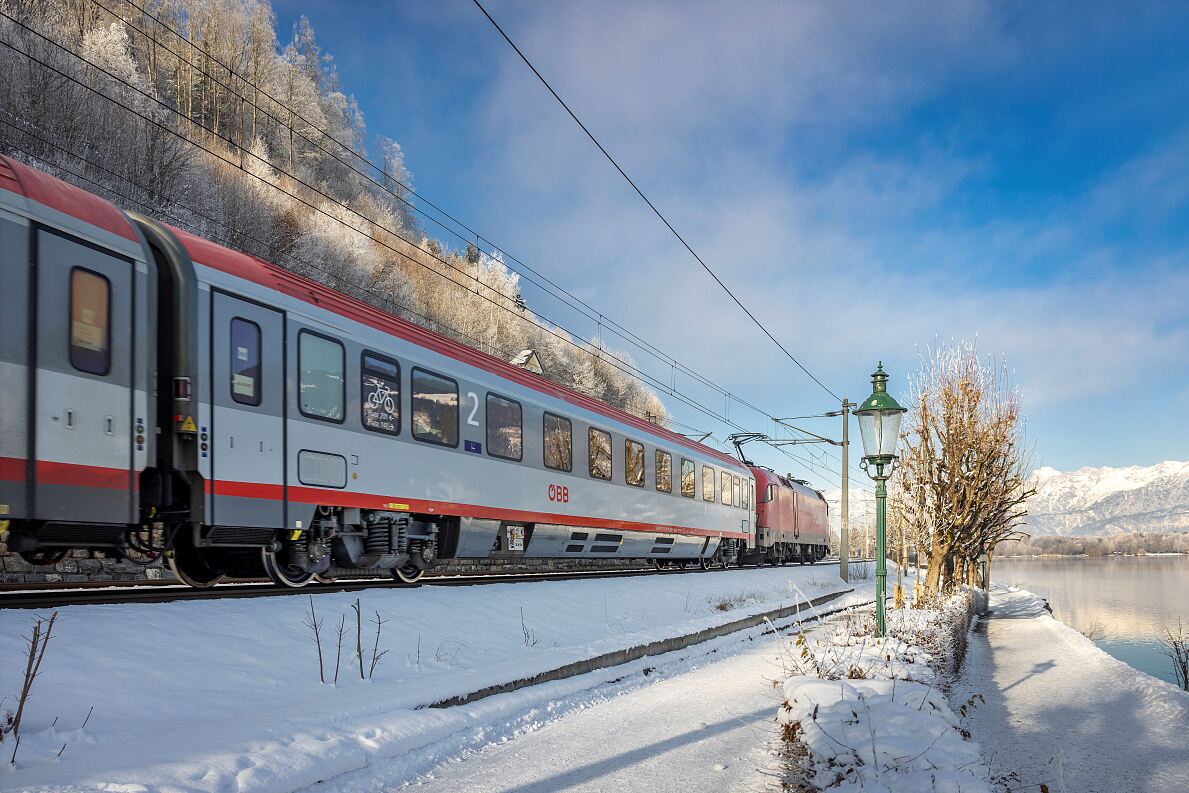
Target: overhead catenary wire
point(565, 296)
point(615, 363)
point(652, 206)
point(549, 287)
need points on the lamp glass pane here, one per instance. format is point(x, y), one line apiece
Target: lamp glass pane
point(891, 432)
point(869, 429)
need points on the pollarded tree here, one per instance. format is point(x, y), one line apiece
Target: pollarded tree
point(962, 486)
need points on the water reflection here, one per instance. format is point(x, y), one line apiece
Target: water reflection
point(1126, 600)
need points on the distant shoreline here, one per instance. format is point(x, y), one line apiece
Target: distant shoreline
point(1089, 556)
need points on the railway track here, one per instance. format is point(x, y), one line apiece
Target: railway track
point(108, 593)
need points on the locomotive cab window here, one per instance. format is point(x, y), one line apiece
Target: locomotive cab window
point(321, 382)
point(379, 393)
point(435, 408)
point(90, 322)
point(725, 482)
point(664, 471)
point(558, 437)
point(738, 486)
point(599, 447)
point(707, 483)
point(687, 478)
point(634, 463)
point(505, 428)
point(245, 361)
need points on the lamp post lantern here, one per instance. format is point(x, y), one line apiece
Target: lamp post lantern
point(879, 424)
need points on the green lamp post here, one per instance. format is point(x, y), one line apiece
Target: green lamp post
point(879, 424)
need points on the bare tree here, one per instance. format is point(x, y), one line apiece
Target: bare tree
point(1176, 646)
point(962, 486)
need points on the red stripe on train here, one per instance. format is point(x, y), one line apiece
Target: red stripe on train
point(12, 469)
point(49, 473)
point(343, 498)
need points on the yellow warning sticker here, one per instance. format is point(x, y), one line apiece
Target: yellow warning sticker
point(188, 425)
point(394, 505)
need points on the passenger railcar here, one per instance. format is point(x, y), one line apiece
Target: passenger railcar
point(163, 393)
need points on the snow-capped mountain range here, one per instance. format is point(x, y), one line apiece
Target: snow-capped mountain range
point(1110, 500)
point(1089, 501)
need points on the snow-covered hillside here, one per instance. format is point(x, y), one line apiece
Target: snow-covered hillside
point(1111, 500)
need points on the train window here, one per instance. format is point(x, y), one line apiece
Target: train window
point(634, 463)
point(435, 408)
point(707, 483)
point(737, 492)
point(245, 361)
point(687, 478)
point(599, 453)
point(505, 428)
point(746, 496)
point(559, 443)
point(90, 322)
point(321, 381)
point(752, 488)
point(664, 471)
point(725, 488)
point(379, 393)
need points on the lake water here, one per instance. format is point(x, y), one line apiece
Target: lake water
point(1127, 600)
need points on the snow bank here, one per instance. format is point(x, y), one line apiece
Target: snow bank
point(868, 714)
point(879, 735)
point(223, 695)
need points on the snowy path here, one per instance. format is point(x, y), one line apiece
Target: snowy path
point(1062, 712)
point(703, 729)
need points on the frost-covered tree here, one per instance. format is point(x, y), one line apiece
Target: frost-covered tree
point(196, 112)
point(962, 486)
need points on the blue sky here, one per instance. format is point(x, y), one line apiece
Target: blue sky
point(869, 180)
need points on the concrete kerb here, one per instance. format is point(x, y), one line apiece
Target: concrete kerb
point(658, 647)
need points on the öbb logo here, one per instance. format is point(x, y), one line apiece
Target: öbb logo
point(559, 493)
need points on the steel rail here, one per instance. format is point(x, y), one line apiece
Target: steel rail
point(60, 594)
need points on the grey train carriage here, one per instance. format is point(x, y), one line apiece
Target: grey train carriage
point(161, 393)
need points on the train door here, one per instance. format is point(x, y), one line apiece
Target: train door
point(14, 366)
point(83, 429)
point(247, 409)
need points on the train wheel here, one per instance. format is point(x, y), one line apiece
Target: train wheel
point(409, 574)
point(44, 556)
point(282, 574)
point(192, 568)
point(703, 562)
point(658, 564)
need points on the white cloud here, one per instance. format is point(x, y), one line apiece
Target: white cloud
point(703, 104)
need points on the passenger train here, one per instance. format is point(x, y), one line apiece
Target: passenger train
point(160, 393)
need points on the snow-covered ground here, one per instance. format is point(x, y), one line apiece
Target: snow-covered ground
point(1062, 712)
point(223, 695)
point(864, 714)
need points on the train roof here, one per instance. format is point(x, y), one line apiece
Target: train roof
point(764, 476)
point(256, 270)
point(38, 186)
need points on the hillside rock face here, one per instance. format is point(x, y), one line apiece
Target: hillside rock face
point(1104, 501)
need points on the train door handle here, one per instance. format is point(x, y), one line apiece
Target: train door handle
point(109, 425)
point(69, 419)
point(261, 447)
point(231, 439)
